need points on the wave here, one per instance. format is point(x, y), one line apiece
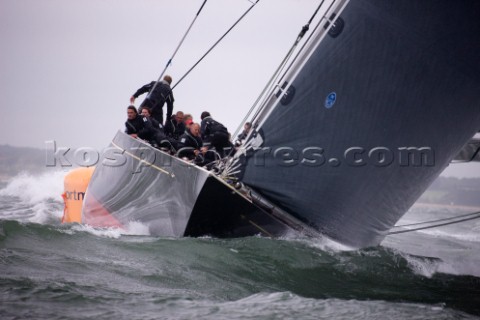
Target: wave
point(227, 270)
point(34, 198)
point(133, 228)
point(33, 189)
point(37, 199)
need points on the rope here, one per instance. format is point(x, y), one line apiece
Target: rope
point(178, 47)
point(216, 43)
point(444, 219)
point(468, 217)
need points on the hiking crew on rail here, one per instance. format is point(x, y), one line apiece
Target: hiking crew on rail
point(180, 136)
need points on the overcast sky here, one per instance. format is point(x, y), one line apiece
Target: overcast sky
point(68, 68)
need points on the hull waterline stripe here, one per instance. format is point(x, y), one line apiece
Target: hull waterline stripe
point(142, 160)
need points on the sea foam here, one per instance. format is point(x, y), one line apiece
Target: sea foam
point(34, 198)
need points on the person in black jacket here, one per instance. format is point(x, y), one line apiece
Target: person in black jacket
point(242, 136)
point(157, 98)
point(190, 144)
point(174, 127)
point(156, 132)
point(135, 126)
point(142, 126)
point(146, 112)
point(215, 134)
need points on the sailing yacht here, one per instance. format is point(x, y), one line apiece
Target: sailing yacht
point(354, 127)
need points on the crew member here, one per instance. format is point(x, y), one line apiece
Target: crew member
point(157, 98)
point(242, 136)
point(156, 132)
point(134, 126)
point(174, 127)
point(190, 144)
point(187, 120)
point(214, 134)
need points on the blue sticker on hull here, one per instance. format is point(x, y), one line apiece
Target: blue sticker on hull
point(330, 100)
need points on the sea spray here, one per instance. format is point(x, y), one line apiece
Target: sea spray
point(34, 198)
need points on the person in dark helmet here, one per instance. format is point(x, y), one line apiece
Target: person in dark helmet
point(214, 134)
point(157, 98)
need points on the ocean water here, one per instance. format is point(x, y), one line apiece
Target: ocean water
point(54, 271)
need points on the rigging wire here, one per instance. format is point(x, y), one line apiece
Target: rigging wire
point(178, 47)
point(444, 219)
point(216, 43)
point(275, 75)
point(309, 38)
point(466, 217)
